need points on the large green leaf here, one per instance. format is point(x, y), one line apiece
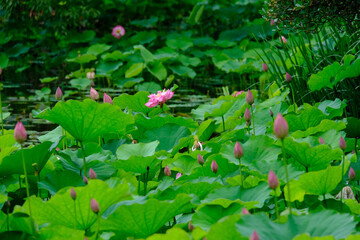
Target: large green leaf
point(157, 69)
point(324, 126)
point(134, 102)
point(134, 70)
point(353, 127)
point(183, 71)
point(310, 117)
point(323, 78)
point(172, 233)
point(98, 49)
point(88, 120)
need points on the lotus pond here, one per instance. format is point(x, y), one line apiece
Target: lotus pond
point(148, 120)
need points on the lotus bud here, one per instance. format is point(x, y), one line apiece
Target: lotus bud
point(167, 171)
point(85, 180)
point(288, 77)
point(265, 67)
point(238, 151)
point(281, 127)
point(73, 194)
point(90, 75)
point(244, 211)
point(58, 94)
point(92, 174)
point(254, 236)
point(214, 167)
point(351, 174)
point(94, 95)
point(321, 140)
point(178, 175)
point(272, 22)
point(247, 115)
point(94, 206)
point(342, 143)
point(200, 159)
point(190, 227)
point(273, 180)
point(271, 113)
point(249, 98)
point(283, 39)
point(107, 99)
point(20, 132)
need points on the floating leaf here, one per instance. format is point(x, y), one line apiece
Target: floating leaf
point(134, 70)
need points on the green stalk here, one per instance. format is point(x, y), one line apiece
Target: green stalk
point(241, 183)
point(7, 218)
point(253, 118)
point(1, 113)
point(203, 170)
point(276, 205)
point(138, 188)
point(342, 183)
point(83, 153)
point(293, 97)
point(63, 133)
point(75, 215)
point(286, 174)
point(27, 187)
point(223, 122)
point(98, 226)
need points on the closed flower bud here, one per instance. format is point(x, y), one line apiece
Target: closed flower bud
point(351, 174)
point(288, 77)
point(249, 98)
point(244, 211)
point(90, 75)
point(92, 174)
point(72, 194)
point(281, 127)
point(271, 113)
point(200, 159)
point(273, 180)
point(254, 236)
point(265, 67)
point(190, 227)
point(20, 132)
point(58, 94)
point(94, 206)
point(247, 115)
point(167, 171)
point(283, 39)
point(94, 95)
point(85, 180)
point(342, 143)
point(107, 99)
point(238, 151)
point(321, 140)
point(272, 22)
point(178, 175)
point(214, 166)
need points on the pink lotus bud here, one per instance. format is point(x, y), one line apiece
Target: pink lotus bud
point(214, 167)
point(58, 94)
point(254, 236)
point(20, 132)
point(200, 159)
point(92, 174)
point(281, 127)
point(265, 67)
point(190, 227)
point(107, 99)
point(321, 140)
point(272, 22)
point(283, 39)
point(85, 180)
point(288, 77)
point(244, 211)
point(342, 143)
point(73, 194)
point(247, 115)
point(94, 95)
point(167, 171)
point(273, 180)
point(94, 206)
point(249, 98)
point(178, 175)
point(351, 174)
point(271, 113)
point(118, 31)
point(238, 151)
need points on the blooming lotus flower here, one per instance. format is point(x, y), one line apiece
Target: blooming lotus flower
point(90, 75)
point(247, 115)
point(118, 31)
point(249, 98)
point(72, 194)
point(254, 236)
point(265, 67)
point(244, 211)
point(272, 22)
point(20, 132)
point(281, 127)
point(178, 175)
point(342, 143)
point(197, 144)
point(214, 166)
point(238, 151)
point(321, 140)
point(92, 174)
point(238, 93)
point(167, 171)
point(160, 97)
point(94, 95)
point(58, 94)
point(200, 159)
point(288, 77)
point(107, 99)
point(351, 174)
point(283, 39)
point(94, 206)
point(273, 180)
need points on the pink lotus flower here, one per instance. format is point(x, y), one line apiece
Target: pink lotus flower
point(200, 159)
point(190, 227)
point(321, 140)
point(92, 174)
point(249, 98)
point(254, 236)
point(283, 39)
point(90, 75)
point(273, 180)
point(288, 77)
point(281, 127)
point(94, 206)
point(118, 31)
point(85, 180)
point(247, 115)
point(238, 151)
point(167, 171)
point(94, 95)
point(238, 93)
point(178, 175)
point(272, 22)
point(214, 167)
point(58, 94)
point(244, 211)
point(20, 134)
point(160, 97)
point(351, 174)
point(107, 99)
point(73, 194)
point(265, 67)
point(342, 143)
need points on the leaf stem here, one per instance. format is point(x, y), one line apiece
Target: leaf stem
point(83, 153)
point(342, 183)
point(223, 122)
point(253, 118)
point(1, 113)
point(98, 226)
point(27, 187)
point(241, 183)
point(75, 215)
point(276, 205)
point(286, 174)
